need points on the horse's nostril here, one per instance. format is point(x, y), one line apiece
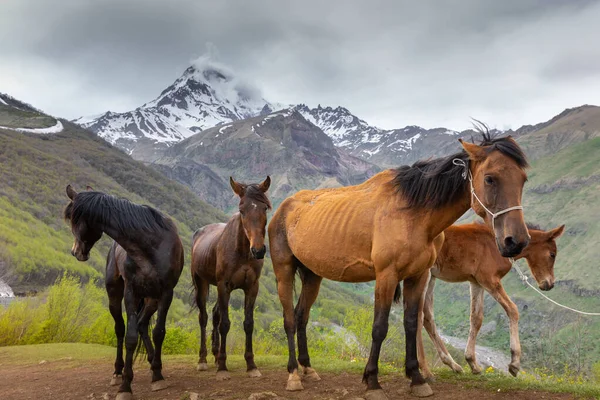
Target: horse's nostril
point(509, 241)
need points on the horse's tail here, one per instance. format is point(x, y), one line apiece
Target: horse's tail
point(398, 294)
point(140, 348)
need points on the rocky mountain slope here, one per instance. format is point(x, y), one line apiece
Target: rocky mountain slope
point(296, 154)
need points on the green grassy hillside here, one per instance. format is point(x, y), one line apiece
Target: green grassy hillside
point(35, 242)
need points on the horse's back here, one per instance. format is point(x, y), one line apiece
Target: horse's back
point(204, 251)
point(466, 252)
point(331, 230)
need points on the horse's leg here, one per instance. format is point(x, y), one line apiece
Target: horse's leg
point(311, 284)
point(150, 307)
point(476, 321)
point(413, 292)
point(216, 318)
point(385, 286)
point(497, 291)
point(249, 300)
point(284, 271)
point(224, 325)
point(115, 289)
point(429, 323)
point(158, 335)
point(131, 340)
point(427, 374)
point(201, 286)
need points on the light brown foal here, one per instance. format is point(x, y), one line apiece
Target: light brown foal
point(470, 254)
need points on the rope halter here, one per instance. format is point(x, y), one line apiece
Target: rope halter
point(467, 174)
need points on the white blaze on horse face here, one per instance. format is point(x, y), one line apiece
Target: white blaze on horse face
point(254, 205)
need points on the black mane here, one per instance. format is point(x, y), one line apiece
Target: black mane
point(103, 209)
point(253, 192)
point(439, 182)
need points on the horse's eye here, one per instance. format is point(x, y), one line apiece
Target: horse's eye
point(489, 180)
point(552, 255)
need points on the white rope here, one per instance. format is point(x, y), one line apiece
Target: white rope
point(525, 279)
point(467, 173)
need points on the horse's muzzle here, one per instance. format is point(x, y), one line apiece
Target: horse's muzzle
point(511, 247)
point(259, 254)
point(546, 285)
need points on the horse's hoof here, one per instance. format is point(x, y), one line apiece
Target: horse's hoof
point(423, 390)
point(377, 394)
point(457, 368)
point(254, 373)
point(202, 367)
point(223, 375)
point(294, 382)
point(476, 369)
point(513, 369)
point(311, 375)
point(124, 396)
point(159, 385)
point(116, 380)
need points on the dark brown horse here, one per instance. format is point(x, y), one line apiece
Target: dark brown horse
point(469, 254)
point(230, 256)
point(388, 229)
point(143, 266)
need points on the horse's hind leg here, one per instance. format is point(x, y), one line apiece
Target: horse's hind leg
point(249, 300)
point(224, 325)
point(311, 284)
point(131, 340)
point(150, 307)
point(201, 286)
point(285, 269)
point(158, 335)
point(427, 374)
point(476, 321)
point(114, 288)
point(216, 319)
point(429, 323)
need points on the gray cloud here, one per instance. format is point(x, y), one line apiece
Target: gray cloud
point(392, 63)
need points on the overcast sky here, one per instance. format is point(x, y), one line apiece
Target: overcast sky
point(392, 63)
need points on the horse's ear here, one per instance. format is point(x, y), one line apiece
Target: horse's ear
point(89, 188)
point(264, 186)
point(238, 188)
point(556, 232)
point(71, 193)
point(475, 152)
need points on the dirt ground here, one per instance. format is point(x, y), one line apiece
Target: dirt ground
point(62, 381)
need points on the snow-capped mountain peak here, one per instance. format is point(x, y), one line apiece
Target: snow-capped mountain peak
point(205, 95)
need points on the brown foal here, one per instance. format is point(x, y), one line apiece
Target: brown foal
point(470, 254)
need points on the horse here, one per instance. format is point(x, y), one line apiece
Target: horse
point(230, 256)
point(143, 266)
point(389, 229)
point(469, 254)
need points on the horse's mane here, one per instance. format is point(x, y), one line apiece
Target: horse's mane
point(438, 182)
point(253, 192)
point(103, 209)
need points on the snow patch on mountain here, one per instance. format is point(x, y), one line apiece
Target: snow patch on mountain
point(56, 128)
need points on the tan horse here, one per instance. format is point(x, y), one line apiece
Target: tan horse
point(470, 254)
point(230, 256)
point(388, 229)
